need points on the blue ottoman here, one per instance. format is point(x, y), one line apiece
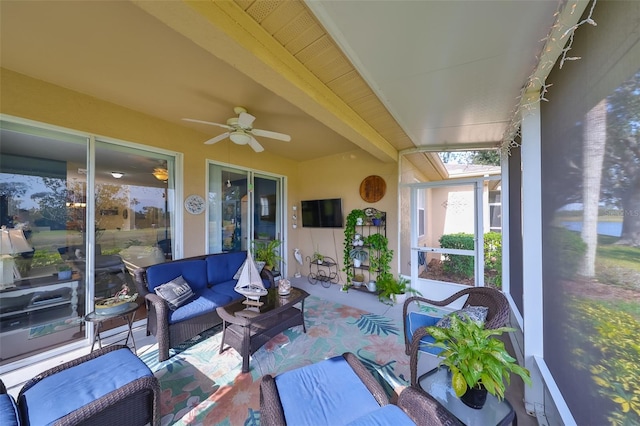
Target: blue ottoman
point(109, 386)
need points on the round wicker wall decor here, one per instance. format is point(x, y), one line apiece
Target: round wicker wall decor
point(372, 188)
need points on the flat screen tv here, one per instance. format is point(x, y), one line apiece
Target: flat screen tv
point(322, 213)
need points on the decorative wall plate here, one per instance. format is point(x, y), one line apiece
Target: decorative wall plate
point(194, 204)
point(372, 189)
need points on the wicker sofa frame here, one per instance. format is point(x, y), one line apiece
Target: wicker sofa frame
point(170, 335)
point(136, 403)
point(497, 316)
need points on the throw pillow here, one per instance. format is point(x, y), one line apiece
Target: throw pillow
point(176, 292)
point(259, 265)
point(477, 314)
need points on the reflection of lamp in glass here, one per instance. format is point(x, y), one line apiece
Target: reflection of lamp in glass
point(161, 173)
point(117, 175)
point(12, 241)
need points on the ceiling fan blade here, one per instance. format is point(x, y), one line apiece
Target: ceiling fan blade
point(245, 120)
point(216, 139)
point(272, 135)
point(210, 123)
point(253, 143)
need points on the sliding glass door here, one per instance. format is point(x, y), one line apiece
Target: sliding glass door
point(244, 206)
point(77, 216)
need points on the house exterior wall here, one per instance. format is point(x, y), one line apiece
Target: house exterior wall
point(330, 177)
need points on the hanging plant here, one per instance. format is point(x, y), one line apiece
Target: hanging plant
point(380, 263)
point(349, 236)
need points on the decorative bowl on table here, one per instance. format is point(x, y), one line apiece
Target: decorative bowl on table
point(114, 305)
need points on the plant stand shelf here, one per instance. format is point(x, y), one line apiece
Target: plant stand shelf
point(326, 272)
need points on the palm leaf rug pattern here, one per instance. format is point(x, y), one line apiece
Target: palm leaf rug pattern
point(200, 386)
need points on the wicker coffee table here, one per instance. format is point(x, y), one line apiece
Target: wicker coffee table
point(246, 328)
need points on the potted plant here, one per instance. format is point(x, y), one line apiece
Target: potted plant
point(64, 272)
point(358, 255)
point(349, 235)
point(267, 252)
point(377, 218)
point(479, 362)
point(318, 258)
point(391, 289)
point(380, 256)
point(358, 279)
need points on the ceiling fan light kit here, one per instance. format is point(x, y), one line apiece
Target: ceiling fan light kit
point(240, 130)
point(239, 137)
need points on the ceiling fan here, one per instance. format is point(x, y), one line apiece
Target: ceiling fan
point(240, 130)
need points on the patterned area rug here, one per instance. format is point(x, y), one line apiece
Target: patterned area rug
point(202, 387)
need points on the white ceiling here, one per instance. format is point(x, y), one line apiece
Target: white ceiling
point(450, 72)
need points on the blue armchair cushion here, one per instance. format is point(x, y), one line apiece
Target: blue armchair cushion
point(68, 390)
point(384, 416)
point(316, 394)
point(415, 320)
point(8, 411)
point(176, 292)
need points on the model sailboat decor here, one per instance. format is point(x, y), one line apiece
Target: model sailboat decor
point(250, 284)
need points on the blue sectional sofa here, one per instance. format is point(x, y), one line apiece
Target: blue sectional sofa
point(211, 279)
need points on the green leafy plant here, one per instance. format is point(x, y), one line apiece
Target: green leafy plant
point(267, 252)
point(318, 257)
point(359, 253)
point(389, 288)
point(475, 357)
point(380, 254)
point(63, 267)
point(349, 235)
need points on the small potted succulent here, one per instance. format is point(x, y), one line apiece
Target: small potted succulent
point(479, 362)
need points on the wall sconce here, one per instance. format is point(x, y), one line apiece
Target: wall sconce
point(161, 174)
point(117, 175)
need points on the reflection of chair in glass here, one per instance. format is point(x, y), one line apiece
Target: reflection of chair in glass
point(109, 269)
point(416, 336)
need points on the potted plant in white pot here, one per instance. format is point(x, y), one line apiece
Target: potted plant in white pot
point(393, 290)
point(358, 255)
point(478, 361)
point(358, 279)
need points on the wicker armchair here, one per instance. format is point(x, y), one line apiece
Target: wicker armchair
point(416, 404)
point(497, 316)
point(134, 402)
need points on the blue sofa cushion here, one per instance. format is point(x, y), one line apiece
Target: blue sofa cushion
point(415, 320)
point(383, 416)
point(222, 267)
point(206, 302)
point(324, 387)
point(8, 411)
point(55, 396)
point(193, 271)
